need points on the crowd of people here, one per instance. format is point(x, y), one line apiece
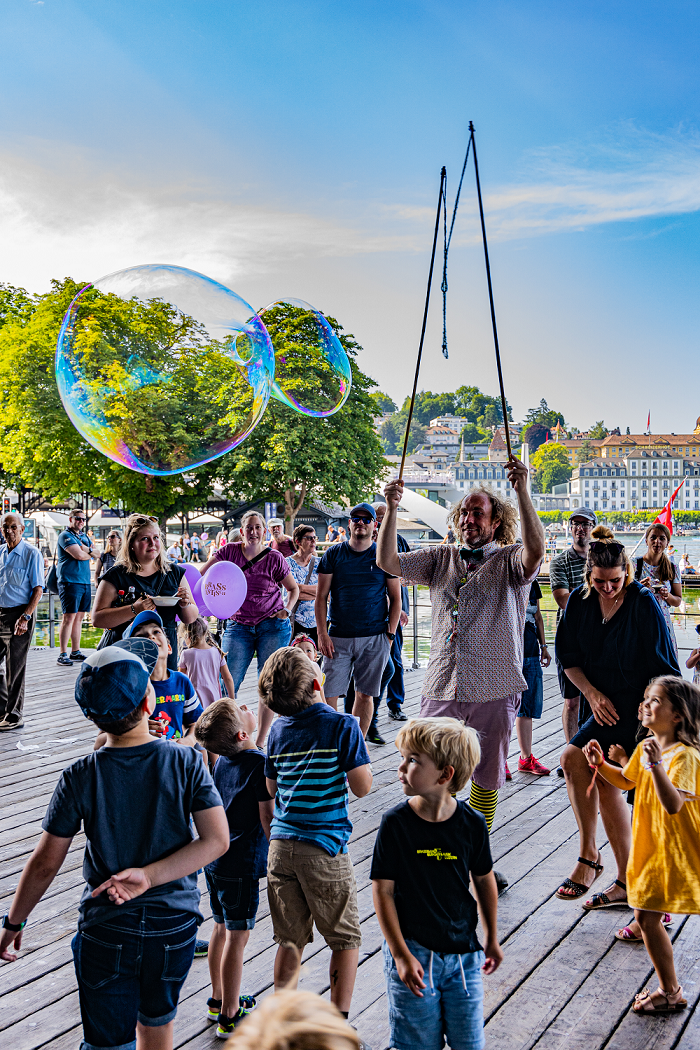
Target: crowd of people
point(268, 793)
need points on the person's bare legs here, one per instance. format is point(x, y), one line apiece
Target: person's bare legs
point(569, 718)
point(160, 1038)
point(363, 709)
point(65, 630)
point(658, 944)
point(332, 701)
point(265, 716)
point(76, 631)
point(232, 970)
point(216, 947)
point(615, 815)
point(342, 971)
point(287, 966)
point(523, 728)
point(585, 807)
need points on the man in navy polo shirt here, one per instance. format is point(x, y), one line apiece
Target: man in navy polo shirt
point(21, 587)
point(74, 553)
point(364, 614)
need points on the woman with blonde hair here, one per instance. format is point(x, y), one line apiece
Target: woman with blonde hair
point(611, 640)
point(143, 578)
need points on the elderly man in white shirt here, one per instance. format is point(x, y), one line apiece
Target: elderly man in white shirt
point(21, 587)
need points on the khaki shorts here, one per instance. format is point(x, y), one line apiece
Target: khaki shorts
point(306, 885)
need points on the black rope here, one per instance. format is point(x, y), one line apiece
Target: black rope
point(447, 240)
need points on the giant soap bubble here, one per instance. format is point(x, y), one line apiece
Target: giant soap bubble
point(162, 369)
point(312, 371)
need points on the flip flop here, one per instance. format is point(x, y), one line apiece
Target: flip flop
point(643, 1004)
point(625, 934)
point(579, 889)
point(601, 900)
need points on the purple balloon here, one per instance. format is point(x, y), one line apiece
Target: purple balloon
point(224, 589)
point(204, 610)
point(192, 575)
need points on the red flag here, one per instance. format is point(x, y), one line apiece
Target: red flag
point(666, 515)
point(547, 441)
point(648, 421)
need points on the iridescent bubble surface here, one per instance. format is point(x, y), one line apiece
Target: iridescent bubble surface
point(162, 369)
point(312, 370)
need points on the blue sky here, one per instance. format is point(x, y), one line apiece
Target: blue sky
point(291, 148)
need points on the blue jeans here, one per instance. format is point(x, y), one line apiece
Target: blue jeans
point(131, 969)
point(395, 694)
point(446, 1010)
point(241, 642)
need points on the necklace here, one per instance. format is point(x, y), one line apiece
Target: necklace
point(606, 618)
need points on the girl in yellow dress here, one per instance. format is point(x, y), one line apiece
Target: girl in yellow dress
point(663, 872)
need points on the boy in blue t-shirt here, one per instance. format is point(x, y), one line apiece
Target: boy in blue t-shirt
point(239, 775)
point(313, 753)
point(136, 799)
point(177, 703)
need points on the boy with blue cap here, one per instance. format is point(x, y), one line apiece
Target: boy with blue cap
point(139, 910)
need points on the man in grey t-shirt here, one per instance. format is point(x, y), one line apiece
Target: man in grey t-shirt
point(565, 575)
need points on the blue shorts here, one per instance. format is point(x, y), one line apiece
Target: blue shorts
point(532, 699)
point(233, 901)
point(447, 1011)
point(131, 969)
point(75, 597)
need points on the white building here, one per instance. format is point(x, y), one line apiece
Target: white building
point(643, 481)
point(457, 423)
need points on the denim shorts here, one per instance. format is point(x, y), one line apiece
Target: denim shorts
point(532, 699)
point(131, 969)
point(233, 901)
point(75, 597)
point(446, 1011)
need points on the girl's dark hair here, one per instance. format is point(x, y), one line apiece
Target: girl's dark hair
point(124, 725)
point(605, 553)
point(667, 571)
point(684, 698)
point(301, 531)
point(192, 633)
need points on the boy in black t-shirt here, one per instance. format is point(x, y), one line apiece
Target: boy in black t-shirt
point(426, 850)
point(232, 880)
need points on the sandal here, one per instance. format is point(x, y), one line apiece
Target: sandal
point(601, 900)
point(673, 1002)
point(625, 934)
point(579, 889)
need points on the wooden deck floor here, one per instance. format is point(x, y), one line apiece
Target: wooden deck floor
point(564, 983)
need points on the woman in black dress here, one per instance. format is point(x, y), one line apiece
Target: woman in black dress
point(611, 640)
point(141, 575)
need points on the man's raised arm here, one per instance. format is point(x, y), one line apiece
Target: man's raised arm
point(387, 554)
point(530, 525)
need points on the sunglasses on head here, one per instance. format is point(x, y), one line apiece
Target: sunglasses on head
point(599, 546)
point(360, 521)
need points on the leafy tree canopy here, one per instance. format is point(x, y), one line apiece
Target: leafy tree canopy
point(534, 436)
point(598, 431)
point(481, 411)
point(383, 402)
point(545, 415)
point(551, 465)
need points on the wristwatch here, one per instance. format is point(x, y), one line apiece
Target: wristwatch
point(390, 635)
point(11, 926)
point(27, 616)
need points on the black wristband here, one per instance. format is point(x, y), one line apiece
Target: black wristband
point(390, 635)
point(7, 925)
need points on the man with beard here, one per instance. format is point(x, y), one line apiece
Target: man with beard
point(479, 591)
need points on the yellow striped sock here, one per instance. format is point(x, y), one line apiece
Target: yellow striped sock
point(484, 802)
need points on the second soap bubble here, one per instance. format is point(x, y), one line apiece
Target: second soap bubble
point(312, 370)
point(162, 369)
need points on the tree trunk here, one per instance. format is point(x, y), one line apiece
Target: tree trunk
point(292, 506)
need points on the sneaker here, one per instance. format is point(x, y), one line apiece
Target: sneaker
point(213, 1009)
point(501, 882)
point(247, 1002)
point(201, 949)
point(11, 722)
point(397, 715)
point(374, 736)
point(227, 1025)
point(64, 660)
point(75, 654)
point(531, 765)
point(509, 775)
point(560, 773)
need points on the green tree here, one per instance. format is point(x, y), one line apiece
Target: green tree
point(544, 415)
point(551, 465)
point(383, 402)
point(296, 458)
point(472, 435)
point(39, 446)
point(598, 431)
point(586, 452)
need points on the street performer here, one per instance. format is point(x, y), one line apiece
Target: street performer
point(479, 592)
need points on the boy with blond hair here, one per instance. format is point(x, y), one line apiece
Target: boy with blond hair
point(427, 849)
point(226, 729)
point(313, 754)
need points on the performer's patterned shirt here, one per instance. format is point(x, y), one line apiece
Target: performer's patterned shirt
point(480, 656)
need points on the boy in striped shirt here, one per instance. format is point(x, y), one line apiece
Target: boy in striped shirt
point(313, 754)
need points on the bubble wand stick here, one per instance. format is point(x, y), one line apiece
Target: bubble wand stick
point(504, 406)
point(441, 195)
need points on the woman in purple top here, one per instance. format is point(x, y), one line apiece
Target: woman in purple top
point(262, 624)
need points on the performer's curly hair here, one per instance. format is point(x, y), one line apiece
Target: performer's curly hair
point(502, 509)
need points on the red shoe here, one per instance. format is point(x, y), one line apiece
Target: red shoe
point(509, 775)
point(531, 765)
